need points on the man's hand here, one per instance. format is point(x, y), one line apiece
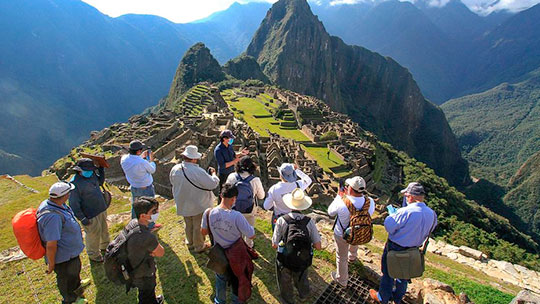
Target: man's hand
point(211, 170)
point(295, 166)
point(50, 268)
point(245, 151)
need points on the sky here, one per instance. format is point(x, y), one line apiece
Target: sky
point(182, 11)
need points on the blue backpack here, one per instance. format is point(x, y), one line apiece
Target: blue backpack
point(244, 200)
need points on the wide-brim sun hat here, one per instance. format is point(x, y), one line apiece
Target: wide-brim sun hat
point(192, 152)
point(288, 173)
point(297, 200)
point(85, 164)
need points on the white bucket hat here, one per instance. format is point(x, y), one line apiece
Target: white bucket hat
point(192, 152)
point(297, 200)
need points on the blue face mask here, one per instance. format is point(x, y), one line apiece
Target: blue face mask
point(231, 140)
point(87, 174)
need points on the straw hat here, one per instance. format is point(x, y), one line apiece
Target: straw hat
point(297, 200)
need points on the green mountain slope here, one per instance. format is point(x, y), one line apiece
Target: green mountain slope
point(295, 52)
point(524, 196)
point(497, 130)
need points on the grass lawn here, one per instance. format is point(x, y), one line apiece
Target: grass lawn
point(325, 160)
point(182, 276)
point(251, 108)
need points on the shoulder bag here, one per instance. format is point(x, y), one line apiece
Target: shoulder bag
point(408, 263)
point(217, 261)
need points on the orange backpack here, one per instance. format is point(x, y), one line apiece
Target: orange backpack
point(25, 228)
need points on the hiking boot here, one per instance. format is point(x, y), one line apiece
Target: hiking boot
point(85, 283)
point(374, 295)
point(160, 299)
point(80, 301)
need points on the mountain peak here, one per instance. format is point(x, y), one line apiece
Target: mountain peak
point(295, 52)
point(196, 66)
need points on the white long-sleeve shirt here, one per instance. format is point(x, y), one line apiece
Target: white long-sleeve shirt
point(339, 208)
point(138, 171)
point(277, 191)
point(190, 200)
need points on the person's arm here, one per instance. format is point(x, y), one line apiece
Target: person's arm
point(269, 201)
point(334, 207)
point(50, 252)
point(204, 223)
point(371, 206)
point(258, 189)
point(158, 252)
point(244, 227)
point(305, 179)
point(150, 167)
point(276, 237)
point(315, 235)
point(207, 181)
point(101, 175)
point(394, 222)
point(75, 204)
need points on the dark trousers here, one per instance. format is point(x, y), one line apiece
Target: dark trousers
point(287, 278)
point(391, 288)
point(68, 279)
point(222, 180)
point(147, 289)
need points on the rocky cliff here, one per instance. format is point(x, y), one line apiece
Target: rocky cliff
point(196, 66)
point(295, 52)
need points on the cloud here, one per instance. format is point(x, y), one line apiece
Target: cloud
point(484, 7)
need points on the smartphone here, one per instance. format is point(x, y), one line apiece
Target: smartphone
point(148, 151)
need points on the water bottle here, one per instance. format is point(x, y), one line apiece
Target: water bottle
point(281, 247)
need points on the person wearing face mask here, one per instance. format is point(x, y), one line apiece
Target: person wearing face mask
point(90, 207)
point(226, 157)
point(142, 247)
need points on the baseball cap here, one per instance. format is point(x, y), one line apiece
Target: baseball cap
point(60, 189)
point(414, 188)
point(136, 145)
point(226, 133)
point(357, 183)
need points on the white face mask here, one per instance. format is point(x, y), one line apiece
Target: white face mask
point(154, 217)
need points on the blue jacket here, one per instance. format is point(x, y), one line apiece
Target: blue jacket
point(87, 200)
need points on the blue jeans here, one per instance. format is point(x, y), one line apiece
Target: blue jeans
point(391, 289)
point(221, 291)
point(138, 192)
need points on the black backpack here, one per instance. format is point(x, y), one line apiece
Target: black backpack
point(297, 254)
point(116, 262)
point(244, 200)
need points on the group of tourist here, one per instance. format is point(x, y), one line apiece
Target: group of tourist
point(230, 224)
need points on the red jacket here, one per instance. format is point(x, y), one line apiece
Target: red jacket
point(242, 268)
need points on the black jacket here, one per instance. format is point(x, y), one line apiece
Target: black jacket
point(87, 200)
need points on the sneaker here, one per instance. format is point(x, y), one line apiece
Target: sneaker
point(374, 295)
point(80, 301)
point(160, 299)
point(85, 283)
point(206, 247)
point(334, 277)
